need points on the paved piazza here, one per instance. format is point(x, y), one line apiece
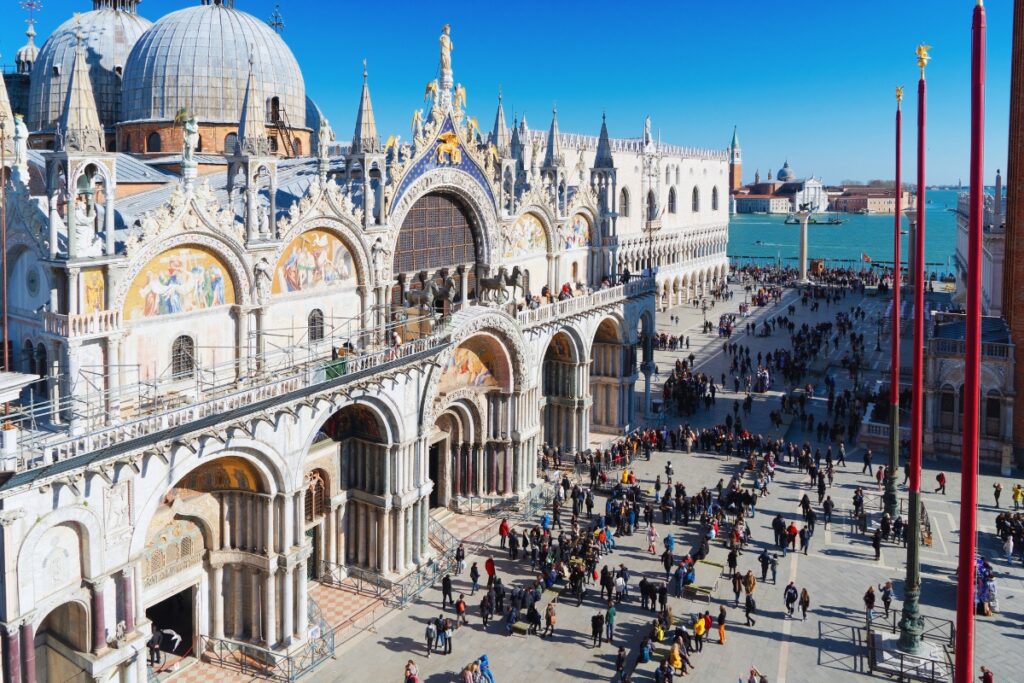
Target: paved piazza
point(836, 571)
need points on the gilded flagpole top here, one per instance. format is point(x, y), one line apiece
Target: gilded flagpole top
point(899, 95)
point(922, 56)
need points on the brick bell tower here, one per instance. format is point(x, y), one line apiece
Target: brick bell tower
point(735, 163)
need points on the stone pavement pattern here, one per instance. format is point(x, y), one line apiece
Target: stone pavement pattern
point(837, 571)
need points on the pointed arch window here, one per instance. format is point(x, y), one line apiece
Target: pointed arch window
point(714, 199)
point(183, 362)
point(624, 203)
point(695, 202)
point(672, 200)
point(652, 206)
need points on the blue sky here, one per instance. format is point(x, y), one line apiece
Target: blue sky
point(808, 81)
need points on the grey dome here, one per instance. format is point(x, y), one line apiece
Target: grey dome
point(197, 59)
point(108, 36)
point(785, 173)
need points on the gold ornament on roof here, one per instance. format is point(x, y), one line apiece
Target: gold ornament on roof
point(899, 94)
point(922, 56)
point(431, 90)
point(448, 150)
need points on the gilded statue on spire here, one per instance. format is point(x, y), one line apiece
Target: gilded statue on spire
point(922, 56)
point(446, 48)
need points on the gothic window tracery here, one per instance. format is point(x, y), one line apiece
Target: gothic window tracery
point(672, 200)
point(316, 495)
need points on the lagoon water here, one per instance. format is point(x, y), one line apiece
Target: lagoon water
point(767, 238)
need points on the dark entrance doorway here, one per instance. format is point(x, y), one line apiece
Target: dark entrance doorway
point(434, 468)
point(313, 561)
point(171, 617)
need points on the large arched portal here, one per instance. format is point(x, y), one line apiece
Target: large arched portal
point(204, 565)
point(364, 456)
point(471, 450)
point(565, 406)
point(612, 375)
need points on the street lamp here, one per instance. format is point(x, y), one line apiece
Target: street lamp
point(704, 309)
point(878, 339)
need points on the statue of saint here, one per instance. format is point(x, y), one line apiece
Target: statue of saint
point(323, 136)
point(648, 139)
point(264, 276)
point(191, 139)
point(446, 48)
point(417, 124)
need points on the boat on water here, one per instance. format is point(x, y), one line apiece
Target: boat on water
point(834, 219)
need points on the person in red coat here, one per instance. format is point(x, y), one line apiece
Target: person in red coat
point(503, 531)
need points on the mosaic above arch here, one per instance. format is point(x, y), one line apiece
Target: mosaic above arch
point(179, 280)
point(313, 260)
point(577, 233)
point(224, 474)
point(526, 236)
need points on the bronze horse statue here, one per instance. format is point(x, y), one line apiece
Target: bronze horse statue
point(497, 285)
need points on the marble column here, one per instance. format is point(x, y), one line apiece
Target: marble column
point(99, 630)
point(236, 576)
point(301, 612)
point(270, 609)
point(12, 654)
point(108, 218)
point(383, 541)
point(127, 586)
point(28, 653)
point(288, 606)
point(217, 600)
point(225, 522)
point(400, 539)
point(255, 602)
point(423, 540)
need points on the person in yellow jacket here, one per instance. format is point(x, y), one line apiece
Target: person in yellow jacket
point(1018, 496)
point(699, 629)
point(675, 660)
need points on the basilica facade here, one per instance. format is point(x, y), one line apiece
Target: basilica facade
point(246, 365)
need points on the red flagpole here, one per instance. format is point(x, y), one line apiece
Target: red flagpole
point(917, 404)
point(894, 388)
point(964, 669)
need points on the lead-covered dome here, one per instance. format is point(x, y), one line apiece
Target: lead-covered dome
point(785, 173)
point(108, 35)
point(197, 59)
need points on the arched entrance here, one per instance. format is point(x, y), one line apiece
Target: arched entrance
point(364, 456)
point(209, 563)
point(471, 449)
point(60, 638)
point(612, 375)
point(564, 387)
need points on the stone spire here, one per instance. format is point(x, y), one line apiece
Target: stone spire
point(80, 129)
point(603, 158)
point(252, 128)
point(364, 139)
point(500, 135)
point(735, 139)
point(554, 157)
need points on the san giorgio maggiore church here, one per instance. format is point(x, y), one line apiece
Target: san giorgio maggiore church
point(245, 356)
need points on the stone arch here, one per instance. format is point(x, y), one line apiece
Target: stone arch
point(224, 251)
point(465, 324)
point(344, 229)
point(383, 409)
point(547, 222)
point(268, 463)
point(89, 528)
point(478, 203)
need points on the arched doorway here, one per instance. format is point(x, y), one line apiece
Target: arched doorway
point(471, 451)
point(611, 378)
point(61, 636)
point(563, 414)
point(204, 568)
point(363, 440)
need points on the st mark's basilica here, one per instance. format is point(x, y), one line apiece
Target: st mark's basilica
point(250, 355)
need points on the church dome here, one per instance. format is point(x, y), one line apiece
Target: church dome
point(108, 35)
point(785, 173)
point(197, 59)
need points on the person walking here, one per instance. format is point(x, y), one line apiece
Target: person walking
point(609, 621)
point(550, 618)
point(886, 591)
point(749, 609)
point(867, 461)
point(699, 628)
point(869, 604)
point(431, 636)
point(460, 612)
point(941, 479)
point(997, 490)
point(597, 630)
point(460, 560)
point(765, 561)
point(503, 530)
point(721, 624)
point(446, 591)
point(474, 576)
point(652, 540)
point(737, 586)
point(790, 595)
point(1017, 494)
point(749, 582)
point(876, 543)
point(449, 635)
point(805, 602)
point(987, 676)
